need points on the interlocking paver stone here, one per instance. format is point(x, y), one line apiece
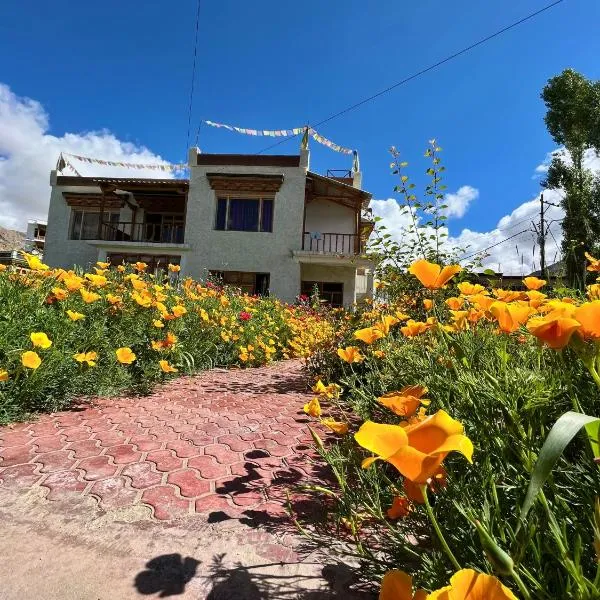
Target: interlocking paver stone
point(220, 442)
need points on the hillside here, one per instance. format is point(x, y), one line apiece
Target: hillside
point(10, 239)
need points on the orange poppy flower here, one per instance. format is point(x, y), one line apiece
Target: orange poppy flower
point(471, 289)
point(558, 308)
point(413, 328)
point(432, 276)
point(368, 335)
point(165, 367)
point(588, 314)
point(455, 303)
point(416, 450)
point(386, 323)
point(125, 356)
point(468, 584)
point(533, 283)
point(554, 331)
point(435, 483)
point(405, 402)
point(336, 426)
point(482, 302)
point(350, 354)
point(397, 585)
point(594, 265)
point(510, 316)
point(89, 297)
point(427, 304)
point(593, 291)
point(508, 295)
point(401, 507)
point(536, 299)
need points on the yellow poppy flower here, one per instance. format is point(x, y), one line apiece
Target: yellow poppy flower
point(174, 268)
point(158, 323)
point(336, 426)
point(86, 357)
point(468, 584)
point(379, 353)
point(3, 268)
point(427, 304)
point(40, 340)
point(533, 283)
point(34, 263)
point(179, 311)
point(96, 280)
point(59, 293)
point(416, 450)
point(3, 375)
point(588, 315)
point(432, 276)
point(313, 408)
point(593, 291)
point(31, 360)
point(103, 265)
point(555, 331)
point(368, 335)
point(75, 316)
point(125, 355)
point(350, 354)
point(89, 297)
point(121, 268)
point(165, 367)
point(594, 265)
point(397, 585)
point(401, 507)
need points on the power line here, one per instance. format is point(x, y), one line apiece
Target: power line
point(494, 245)
point(187, 142)
point(426, 69)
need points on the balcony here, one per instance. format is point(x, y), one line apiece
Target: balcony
point(332, 243)
point(148, 233)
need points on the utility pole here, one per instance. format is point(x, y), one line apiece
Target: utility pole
point(542, 232)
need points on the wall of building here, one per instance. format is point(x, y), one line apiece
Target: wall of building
point(59, 250)
point(345, 275)
point(258, 252)
point(324, 216)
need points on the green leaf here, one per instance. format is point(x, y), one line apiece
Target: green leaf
point(563, 431)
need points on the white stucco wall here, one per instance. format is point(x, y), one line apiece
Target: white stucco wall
point(345, 275)
point(324, 216)
point(59, 250)
point(258, 252)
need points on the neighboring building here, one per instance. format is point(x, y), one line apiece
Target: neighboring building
point(262, 223)
point(12, 258)
point(35, 238)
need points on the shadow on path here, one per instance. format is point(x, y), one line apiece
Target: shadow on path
point(167, 574)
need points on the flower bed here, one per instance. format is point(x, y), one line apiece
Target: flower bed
point(66, 334)
point(443, 407)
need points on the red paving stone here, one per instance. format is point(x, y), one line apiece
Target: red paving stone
point(223, 441)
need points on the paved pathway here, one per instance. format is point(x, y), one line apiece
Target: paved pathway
point(181, 493)
point(225, 441)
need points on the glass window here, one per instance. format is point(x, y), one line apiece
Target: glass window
point(244, 214)
point(254, 284)
point(330, 292)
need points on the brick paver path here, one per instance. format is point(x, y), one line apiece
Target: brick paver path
point(221, 442)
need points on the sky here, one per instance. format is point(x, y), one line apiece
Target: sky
point(112, 80)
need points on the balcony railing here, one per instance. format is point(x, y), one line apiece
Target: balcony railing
point(335, 243)
point(157, 233)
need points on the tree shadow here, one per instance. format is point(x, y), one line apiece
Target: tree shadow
point(330, 582)
point(167, 574)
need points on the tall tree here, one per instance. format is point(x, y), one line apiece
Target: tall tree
point(573, 120)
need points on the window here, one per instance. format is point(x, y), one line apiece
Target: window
point(244, 214)
point(331, 292)
point(155, 262)
point(159, 227)
point(84, 223)
point(254, 284)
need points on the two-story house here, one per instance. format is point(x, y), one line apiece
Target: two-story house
point(266, 224)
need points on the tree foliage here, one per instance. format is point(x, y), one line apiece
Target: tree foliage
point(573, 121)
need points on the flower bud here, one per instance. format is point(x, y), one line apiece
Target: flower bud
point(499, 559)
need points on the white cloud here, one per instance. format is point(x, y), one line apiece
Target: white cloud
point(28, 153)
point(518, 255)
point(458, 203)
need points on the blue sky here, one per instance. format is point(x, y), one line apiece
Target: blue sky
point(125, 67)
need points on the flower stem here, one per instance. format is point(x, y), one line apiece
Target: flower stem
point(438, 531)
point(524, 591)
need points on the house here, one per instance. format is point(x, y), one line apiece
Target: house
point(35, 238)
point(261, 223)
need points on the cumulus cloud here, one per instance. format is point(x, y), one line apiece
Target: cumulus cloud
point(458, 203)
point(512, 246)
point(28, 153)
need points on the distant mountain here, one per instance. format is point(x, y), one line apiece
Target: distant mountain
point(10, 239)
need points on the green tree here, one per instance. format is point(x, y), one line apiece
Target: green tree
point(573, 121)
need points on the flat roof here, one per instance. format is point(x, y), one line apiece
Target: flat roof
point(250, 160)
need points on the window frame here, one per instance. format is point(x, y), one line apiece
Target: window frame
point(324, 295)
point(221, 275)
point(107, 217)
point(243, 196)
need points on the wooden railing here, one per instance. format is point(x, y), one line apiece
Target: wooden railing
point(158, 233)
point(335, 243)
